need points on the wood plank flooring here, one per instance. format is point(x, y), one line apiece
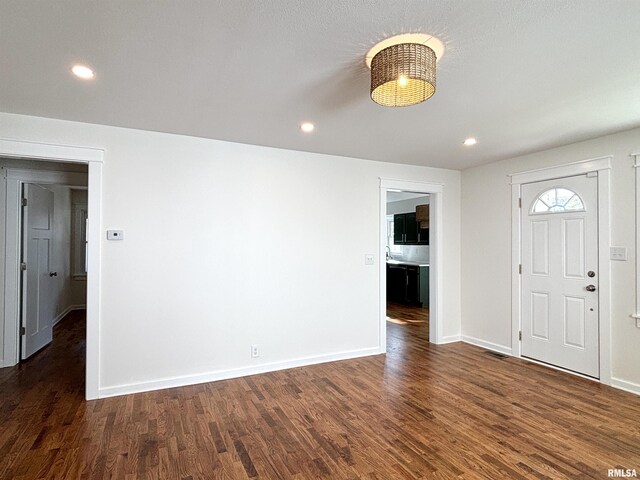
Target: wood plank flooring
point(405, 314)
point(421, 411)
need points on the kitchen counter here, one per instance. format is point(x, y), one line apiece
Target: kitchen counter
point(407, 262)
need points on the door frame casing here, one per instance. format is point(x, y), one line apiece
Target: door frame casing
point(93, 157)
point(601, 165)
point(435, 192)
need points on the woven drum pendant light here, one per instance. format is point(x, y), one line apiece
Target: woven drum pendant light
point(403, 75)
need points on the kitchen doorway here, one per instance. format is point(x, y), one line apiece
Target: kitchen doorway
point(407, 265)
point(410, 288)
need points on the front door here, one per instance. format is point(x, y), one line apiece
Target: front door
point(560, 273)
point(38, 307)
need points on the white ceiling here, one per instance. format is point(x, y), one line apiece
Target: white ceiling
point(519, 76)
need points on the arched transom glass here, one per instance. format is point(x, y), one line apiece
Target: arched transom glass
point(557, 200)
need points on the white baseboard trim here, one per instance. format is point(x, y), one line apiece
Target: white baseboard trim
point(488, 345)
point(449, 339)
point(625, 385)
point(184, 380)
point(64, 313)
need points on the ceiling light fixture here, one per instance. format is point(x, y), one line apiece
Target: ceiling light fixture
point(83, 72)
point(403, 69)
point(307, 127)
point(470, 141)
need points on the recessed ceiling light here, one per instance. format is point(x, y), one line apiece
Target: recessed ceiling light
point(307, 127)
point(83, 72)
point(470, 141)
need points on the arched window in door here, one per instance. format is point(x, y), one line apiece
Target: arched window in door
point(557, 200)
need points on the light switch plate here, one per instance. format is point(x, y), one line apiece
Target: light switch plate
point(369, 259)
point(115, 234)
point(619, 253)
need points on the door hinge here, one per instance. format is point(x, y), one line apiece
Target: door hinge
point(24, 202)
point(520, 335)
point(520, 202)
point(520, 269)
point(23, 331)
point(23, 266)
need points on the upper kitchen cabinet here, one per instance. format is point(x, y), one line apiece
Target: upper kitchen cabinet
point(405, 229)
point(408, 229)
point(398, 228)
point(422, 218)
point(423, 235)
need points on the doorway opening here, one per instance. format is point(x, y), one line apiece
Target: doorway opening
point(410, 261)
point(407, 266)
point(45, 215)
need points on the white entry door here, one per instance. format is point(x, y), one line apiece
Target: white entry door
point(38, 308)
point(560, 273)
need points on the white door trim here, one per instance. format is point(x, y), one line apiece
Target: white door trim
point(564, 170)
point(47, 177)
point(94, 157)
point(602, 165)
point(636, 165)
point(436, 330)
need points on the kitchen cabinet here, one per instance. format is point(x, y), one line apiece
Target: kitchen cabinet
point(423, 235)
point(410, 229)
point(396, 283)
point(408, 284)
point(424, 286)
point(413, 285)
point(398, 228)
point(422, 217)
point(405, 229)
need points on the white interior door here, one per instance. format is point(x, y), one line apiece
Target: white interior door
point(560, 273)
point(38, 308)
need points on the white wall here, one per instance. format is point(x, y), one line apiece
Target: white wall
point(486, 245)
point(228, 245)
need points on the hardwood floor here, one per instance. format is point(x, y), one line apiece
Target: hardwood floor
point(421, 411)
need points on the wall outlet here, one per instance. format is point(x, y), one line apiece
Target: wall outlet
point(369, 259)
point(115, 235)
point(255, 351)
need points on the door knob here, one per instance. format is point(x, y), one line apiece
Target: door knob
point(591, 288)
point(53, 274)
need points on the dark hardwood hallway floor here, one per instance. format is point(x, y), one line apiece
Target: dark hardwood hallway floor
point(421, 411)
